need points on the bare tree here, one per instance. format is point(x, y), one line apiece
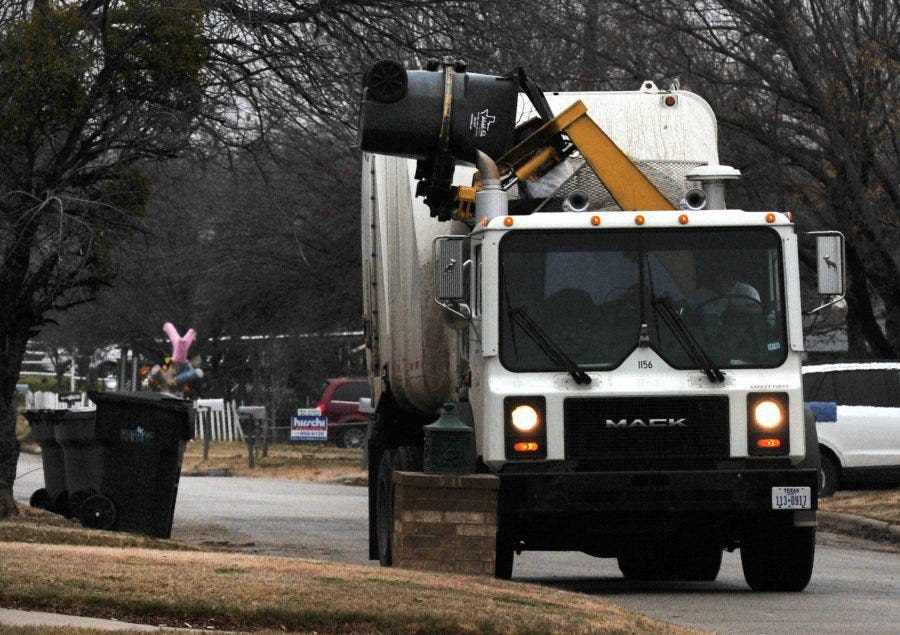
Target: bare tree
point(93, 90)
point(811, 89)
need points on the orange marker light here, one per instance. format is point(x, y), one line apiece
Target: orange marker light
point(770, 217)
point(526, 446)
point(485, 221)
point(670, 100)
point(683, 219)
point(768, 444)
point(639, 219)
point(790, 216)
point(508, 221)
point(595, 220)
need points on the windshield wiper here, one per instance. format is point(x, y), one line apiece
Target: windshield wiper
point(686, 339)
point(546, 343)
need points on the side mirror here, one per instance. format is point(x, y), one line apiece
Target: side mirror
point(450, 255)
point(832, 279)
point(830, 262)
point(451, 270)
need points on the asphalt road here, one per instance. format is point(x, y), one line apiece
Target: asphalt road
point(854, 589)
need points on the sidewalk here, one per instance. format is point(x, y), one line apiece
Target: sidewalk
point(14, 617)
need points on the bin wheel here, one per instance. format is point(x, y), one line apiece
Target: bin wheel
point(77, 499)
point(60, 503)
point(98, 512)
point(40, 499)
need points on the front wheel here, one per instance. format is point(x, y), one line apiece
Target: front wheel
point(503, 557)
point(779, 560)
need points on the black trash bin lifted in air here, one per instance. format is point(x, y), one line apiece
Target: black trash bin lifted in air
point(143, 436)
point(76, 433)
point(54, 495)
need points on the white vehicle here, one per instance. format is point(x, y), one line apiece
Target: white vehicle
point(857, 410)
point(626, 349)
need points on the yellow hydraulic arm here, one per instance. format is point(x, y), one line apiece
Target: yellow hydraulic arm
point(538, 153)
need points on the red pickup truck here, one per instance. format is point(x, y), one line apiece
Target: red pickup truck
point(339, 401)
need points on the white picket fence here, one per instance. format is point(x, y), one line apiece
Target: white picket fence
point(46, 400)
point(223, 420)
point(222, 415)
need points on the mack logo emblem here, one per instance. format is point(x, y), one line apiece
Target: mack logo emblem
point(649, 423)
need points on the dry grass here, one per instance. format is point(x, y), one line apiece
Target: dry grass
point(57, 630)
point(288, 461)
point(881, 505)
point(228, 591)
point(39, 526)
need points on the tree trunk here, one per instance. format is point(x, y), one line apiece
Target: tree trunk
point(11, 355)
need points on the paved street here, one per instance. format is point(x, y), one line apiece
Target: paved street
point(853, 589)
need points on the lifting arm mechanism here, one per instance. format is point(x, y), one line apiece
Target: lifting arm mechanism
point(547, 147)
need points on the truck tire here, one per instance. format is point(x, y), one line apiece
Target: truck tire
point(406, 458)
point(828, 476)
point(780, 560)
point(503, 559)
point(385, 508)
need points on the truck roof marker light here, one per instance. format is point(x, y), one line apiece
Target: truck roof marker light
point(526, 446)
point(770, 217)
point(595, 220)
point(790, 216)
point(508, 221)
point(639, 219)
point(670, 100)
point(683, 219)
point(768, 444)
point(485, 221)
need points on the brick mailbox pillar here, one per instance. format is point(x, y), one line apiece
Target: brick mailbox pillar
point(445, 523)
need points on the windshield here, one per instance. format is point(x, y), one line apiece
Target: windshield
point(593, 291)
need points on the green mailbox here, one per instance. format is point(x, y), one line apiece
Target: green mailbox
point(449, 445)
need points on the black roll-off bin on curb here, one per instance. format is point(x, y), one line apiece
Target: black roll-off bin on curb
point(76, 433)
point(53, 496)
point(143, 436)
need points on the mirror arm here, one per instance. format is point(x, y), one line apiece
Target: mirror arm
point(826, 305)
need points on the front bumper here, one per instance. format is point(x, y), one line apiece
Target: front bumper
point(572, 509)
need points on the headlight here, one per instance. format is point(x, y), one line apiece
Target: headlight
point(768, 424)
point(525, 427)
point(525, 418)
point(768, 414)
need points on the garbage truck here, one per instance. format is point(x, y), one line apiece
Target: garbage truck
point(564, 269)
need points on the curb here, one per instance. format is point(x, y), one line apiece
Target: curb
point(860, 526)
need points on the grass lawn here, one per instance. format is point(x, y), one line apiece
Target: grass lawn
point(45, 565)
point(879, 504)
point(285, 460)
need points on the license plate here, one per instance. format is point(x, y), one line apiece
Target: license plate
point(791, 498)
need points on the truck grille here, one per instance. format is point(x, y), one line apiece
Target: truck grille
point(641, 433)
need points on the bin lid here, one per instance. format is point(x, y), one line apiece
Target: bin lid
point(79, 415)
point(43, 415)
point(142, 399)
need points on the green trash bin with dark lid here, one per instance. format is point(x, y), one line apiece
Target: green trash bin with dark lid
point(82, 455)
point(53, 496)
point(143, 436)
